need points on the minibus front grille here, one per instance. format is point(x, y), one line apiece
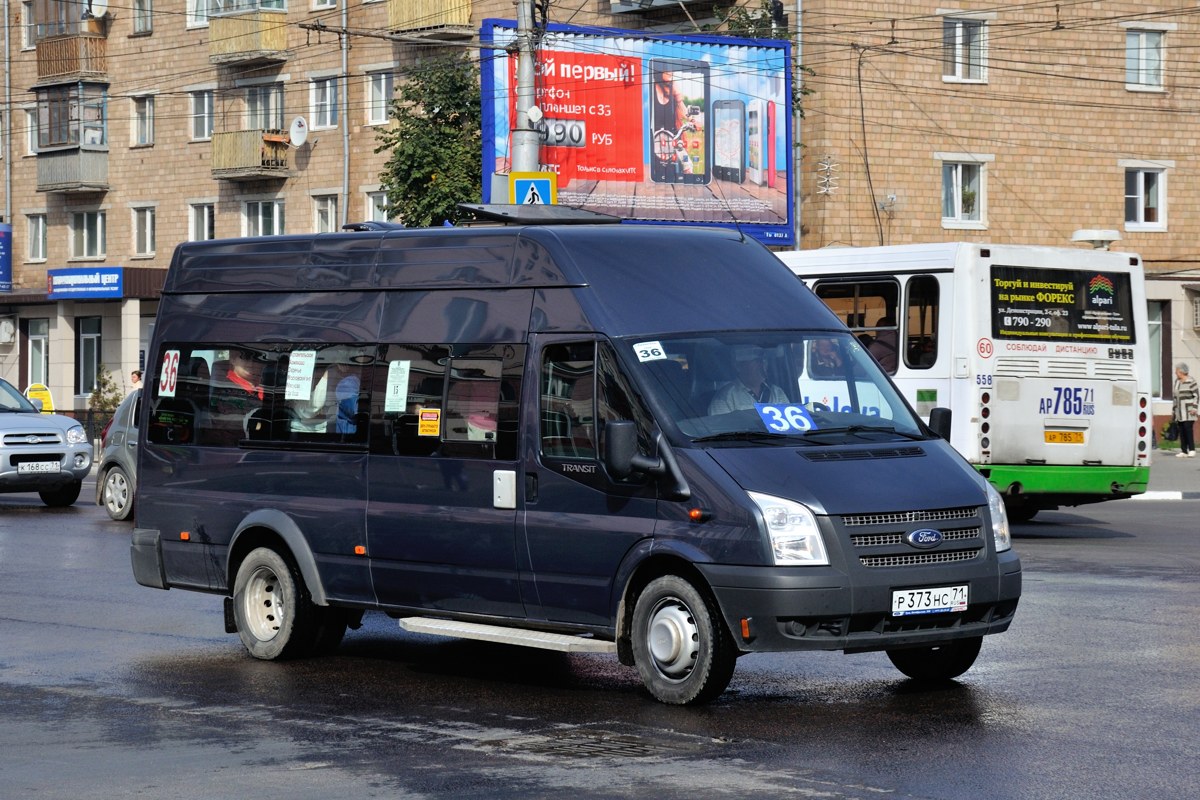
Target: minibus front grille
point(863, 455)
point(918, 559)
point(892, 539)
point(901, 517)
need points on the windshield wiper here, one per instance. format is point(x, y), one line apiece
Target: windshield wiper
point(856, 429)
point(746, 436)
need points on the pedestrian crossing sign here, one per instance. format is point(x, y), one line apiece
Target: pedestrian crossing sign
point(533, 188)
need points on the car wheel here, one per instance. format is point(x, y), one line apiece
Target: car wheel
point(118, 494)
point(63, 496)
point(275, 617)
point(939, 663)
point(681, 648)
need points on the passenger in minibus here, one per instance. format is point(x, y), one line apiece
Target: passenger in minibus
point(750, 387)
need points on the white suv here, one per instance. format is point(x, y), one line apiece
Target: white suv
point(44, 453)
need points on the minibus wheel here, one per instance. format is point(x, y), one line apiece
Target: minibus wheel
point(275, 617)
point(681, 648)
point(939, 663)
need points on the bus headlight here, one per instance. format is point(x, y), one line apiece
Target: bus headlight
point(75, 435)
point(795, 537)
point(999, 519)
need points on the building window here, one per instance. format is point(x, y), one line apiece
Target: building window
point(39, 350)
point(37, 237)
point(1145, 199)
point(69, 115)
point(202, 115)
point(31, 133)
point(87, 343)
point(377, 207)
point(264, 107)
point(324, 103)
point(962, 192)
point(28, 26)
point(202, 222)
point(143, 121)
point(1154, 323)
point(379, 97)
point(264, 218)
point(964, 50)
point(88, 234)
point(1143, 59)
point(324, 4)
point(325, 213)
point(143, 231)
point(197, 13)
point(142, 16)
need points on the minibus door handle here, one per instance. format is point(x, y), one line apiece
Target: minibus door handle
point(531, 484)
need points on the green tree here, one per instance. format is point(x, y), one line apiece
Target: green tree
point(759, 23)
point(107, 395)
point(436, 144)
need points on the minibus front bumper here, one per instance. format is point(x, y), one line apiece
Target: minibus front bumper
point(774, 609)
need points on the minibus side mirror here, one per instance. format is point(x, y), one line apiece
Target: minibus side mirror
point(939, 422)
point(622, 459)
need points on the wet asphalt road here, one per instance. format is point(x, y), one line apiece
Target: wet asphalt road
point(111, 690)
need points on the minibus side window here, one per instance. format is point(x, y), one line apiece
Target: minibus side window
point(406, 404)
point(921, 304)
point(870, 308)
point(324, 394)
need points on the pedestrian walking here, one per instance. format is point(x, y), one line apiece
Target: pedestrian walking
point(1185, 394)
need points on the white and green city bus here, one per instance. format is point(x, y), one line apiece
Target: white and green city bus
point(1041, 353)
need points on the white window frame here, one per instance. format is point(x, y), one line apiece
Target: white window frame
point(1137, 55)
point(38, 336)
point(202, 221)
point(323, 102)
point(141, 126)
point(202, 116)
point(263, 217)
point(264, 107)
point(89, 235)
point(955, 163)
point(956, 23)
point(380, 90)
point(28, 26)
point(31, 132)
point(35, 228)
point(325, 213)
point(323, 4)
point(144, 224)
point(1138, 170)
point(197, 13)
point(143, 16)
point(376, 201)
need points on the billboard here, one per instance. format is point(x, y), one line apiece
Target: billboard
point(678, 129)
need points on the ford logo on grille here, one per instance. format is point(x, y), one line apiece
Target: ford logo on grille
point(925, 538)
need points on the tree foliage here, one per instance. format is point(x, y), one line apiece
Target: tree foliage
point(107, 395)
point(762, 23)
point(435, 145)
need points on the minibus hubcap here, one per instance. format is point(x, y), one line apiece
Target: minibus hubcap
point(263, 605)
point(673, 638)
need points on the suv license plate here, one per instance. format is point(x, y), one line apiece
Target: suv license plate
point(26, 467)
point(907, 602)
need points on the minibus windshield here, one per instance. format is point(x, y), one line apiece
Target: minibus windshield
point(818, 387)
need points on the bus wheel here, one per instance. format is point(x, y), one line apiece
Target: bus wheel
point(275, 618)
point(680, 646)
point(939, 663)
point(1020, 510)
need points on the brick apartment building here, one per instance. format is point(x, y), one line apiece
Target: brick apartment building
point(130, 128)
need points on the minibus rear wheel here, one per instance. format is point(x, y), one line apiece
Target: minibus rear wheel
point(681, 648)
point(939, 663)
point(271, 605)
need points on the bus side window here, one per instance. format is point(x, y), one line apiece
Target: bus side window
point(921, 312)
point(409, 384)
point(566, 404)
point(871, 309)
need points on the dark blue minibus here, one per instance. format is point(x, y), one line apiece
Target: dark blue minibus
point(649, 441)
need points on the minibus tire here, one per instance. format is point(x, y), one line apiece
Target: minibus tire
point(681, 648)
point(62, 496)
point(275, 616)
point(939, 663)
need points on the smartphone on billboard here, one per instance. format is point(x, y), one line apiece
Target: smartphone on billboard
point(680, 148)
point(729, 136)
point(756, 151)
point(769, 146)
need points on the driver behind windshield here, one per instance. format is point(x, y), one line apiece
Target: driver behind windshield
point(750, 387)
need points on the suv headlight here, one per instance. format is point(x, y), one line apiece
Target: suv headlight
point(75, 435)
point(795, 537)
point(1000, 530)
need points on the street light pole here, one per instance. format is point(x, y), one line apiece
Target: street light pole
point(525, 141)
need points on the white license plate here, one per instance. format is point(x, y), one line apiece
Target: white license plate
point(26, 467)
point(906, 602)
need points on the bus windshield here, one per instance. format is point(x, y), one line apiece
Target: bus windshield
point(821, 387)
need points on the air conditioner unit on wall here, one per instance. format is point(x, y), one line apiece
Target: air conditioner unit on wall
point(8, 330)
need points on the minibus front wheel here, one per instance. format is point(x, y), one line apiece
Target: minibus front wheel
point(681, 648)
point(938, 663)
point(274, 613)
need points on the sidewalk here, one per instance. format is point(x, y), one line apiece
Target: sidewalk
point(1173, 478)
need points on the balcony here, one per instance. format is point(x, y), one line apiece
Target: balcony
point(250, 155)
point(79, 56)
point(73, 170)
point(435, 19)
point(249, 37)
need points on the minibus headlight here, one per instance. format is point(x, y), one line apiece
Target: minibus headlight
point(999, 520)
point(75, 435)
point(795, 537)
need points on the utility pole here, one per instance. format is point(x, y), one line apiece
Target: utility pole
point(525, 140)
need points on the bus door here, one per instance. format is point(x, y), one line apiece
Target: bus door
point(442, 514)
point(579, 522)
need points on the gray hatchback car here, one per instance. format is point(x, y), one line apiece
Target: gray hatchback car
point(117, 473)
point(45, 453)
